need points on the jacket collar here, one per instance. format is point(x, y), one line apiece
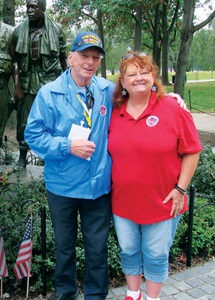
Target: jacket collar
point(60, 85)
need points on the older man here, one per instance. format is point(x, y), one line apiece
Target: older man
point(38, 50)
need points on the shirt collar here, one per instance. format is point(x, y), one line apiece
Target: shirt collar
point(146, 112)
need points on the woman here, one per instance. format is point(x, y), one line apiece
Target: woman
point(155, 150)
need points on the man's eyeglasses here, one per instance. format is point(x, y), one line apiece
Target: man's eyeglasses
point(129, 55)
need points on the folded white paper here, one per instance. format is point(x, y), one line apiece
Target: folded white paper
point(78, 132)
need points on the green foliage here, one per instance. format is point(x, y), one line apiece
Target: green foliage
point(203, 240)
point(114, 263)
point(1, 6)
point(204, 210)
point(16, 203)
point(202, 52)
point(204, 177)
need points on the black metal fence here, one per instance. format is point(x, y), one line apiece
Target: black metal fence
point(201, 108)
point(209, 200)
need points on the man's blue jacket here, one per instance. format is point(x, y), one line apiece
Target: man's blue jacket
point(53, 112)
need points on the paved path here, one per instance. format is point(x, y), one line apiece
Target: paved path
point(192, 283)
point(204, 122)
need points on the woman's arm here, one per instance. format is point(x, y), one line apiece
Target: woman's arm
point(188, 167)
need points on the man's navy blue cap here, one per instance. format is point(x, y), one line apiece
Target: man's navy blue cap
point(86, 40)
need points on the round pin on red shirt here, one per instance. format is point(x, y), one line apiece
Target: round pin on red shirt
point(152, 121)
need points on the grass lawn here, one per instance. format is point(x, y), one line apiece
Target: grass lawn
point(199, 96)
point(197, 75)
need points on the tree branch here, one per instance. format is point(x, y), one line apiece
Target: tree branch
point(204, 23)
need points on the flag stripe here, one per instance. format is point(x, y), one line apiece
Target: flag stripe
point(22, 270)
point(22, 267)
point(3, 265)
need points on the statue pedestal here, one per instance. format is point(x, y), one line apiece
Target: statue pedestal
point(27, 175)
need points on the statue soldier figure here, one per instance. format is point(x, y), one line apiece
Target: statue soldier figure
point(6, 107)
point(39, 55)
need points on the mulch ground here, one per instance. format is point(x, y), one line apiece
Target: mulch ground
point(207, 138)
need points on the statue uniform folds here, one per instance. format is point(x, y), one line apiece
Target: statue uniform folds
point(40, 57)
point(38, 54)
point(6, 35)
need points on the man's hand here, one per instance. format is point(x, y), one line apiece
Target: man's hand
point(82, 148)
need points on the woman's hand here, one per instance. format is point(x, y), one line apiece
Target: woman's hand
point(177, 202)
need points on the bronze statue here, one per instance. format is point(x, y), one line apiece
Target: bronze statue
point(6, 105)
point(39, 55)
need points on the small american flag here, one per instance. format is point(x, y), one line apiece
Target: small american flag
point(22, 267)
point(3, 265)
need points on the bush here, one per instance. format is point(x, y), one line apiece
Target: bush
point(204, 177)
point(203, 231)
point(204, 219)
point(16, 202)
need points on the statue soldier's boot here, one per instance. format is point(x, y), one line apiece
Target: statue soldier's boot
point(22, 162)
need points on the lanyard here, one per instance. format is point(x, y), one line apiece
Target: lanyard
point(87, 112)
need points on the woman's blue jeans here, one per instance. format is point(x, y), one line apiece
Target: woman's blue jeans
point(145, 248)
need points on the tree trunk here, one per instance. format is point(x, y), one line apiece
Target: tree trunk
point(165, 46)
point(158, 62)
point(186, 40)
point(187, 32)
point(138, 28)
point(101, 34)
point(9, 12)
point(156, 52)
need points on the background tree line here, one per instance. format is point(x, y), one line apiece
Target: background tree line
point(163, 28)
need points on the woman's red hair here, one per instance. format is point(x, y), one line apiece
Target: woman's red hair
point(143, 61)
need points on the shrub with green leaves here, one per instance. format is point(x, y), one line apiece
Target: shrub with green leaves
point(204, 177)
point(16, 203)
point(203, 241)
